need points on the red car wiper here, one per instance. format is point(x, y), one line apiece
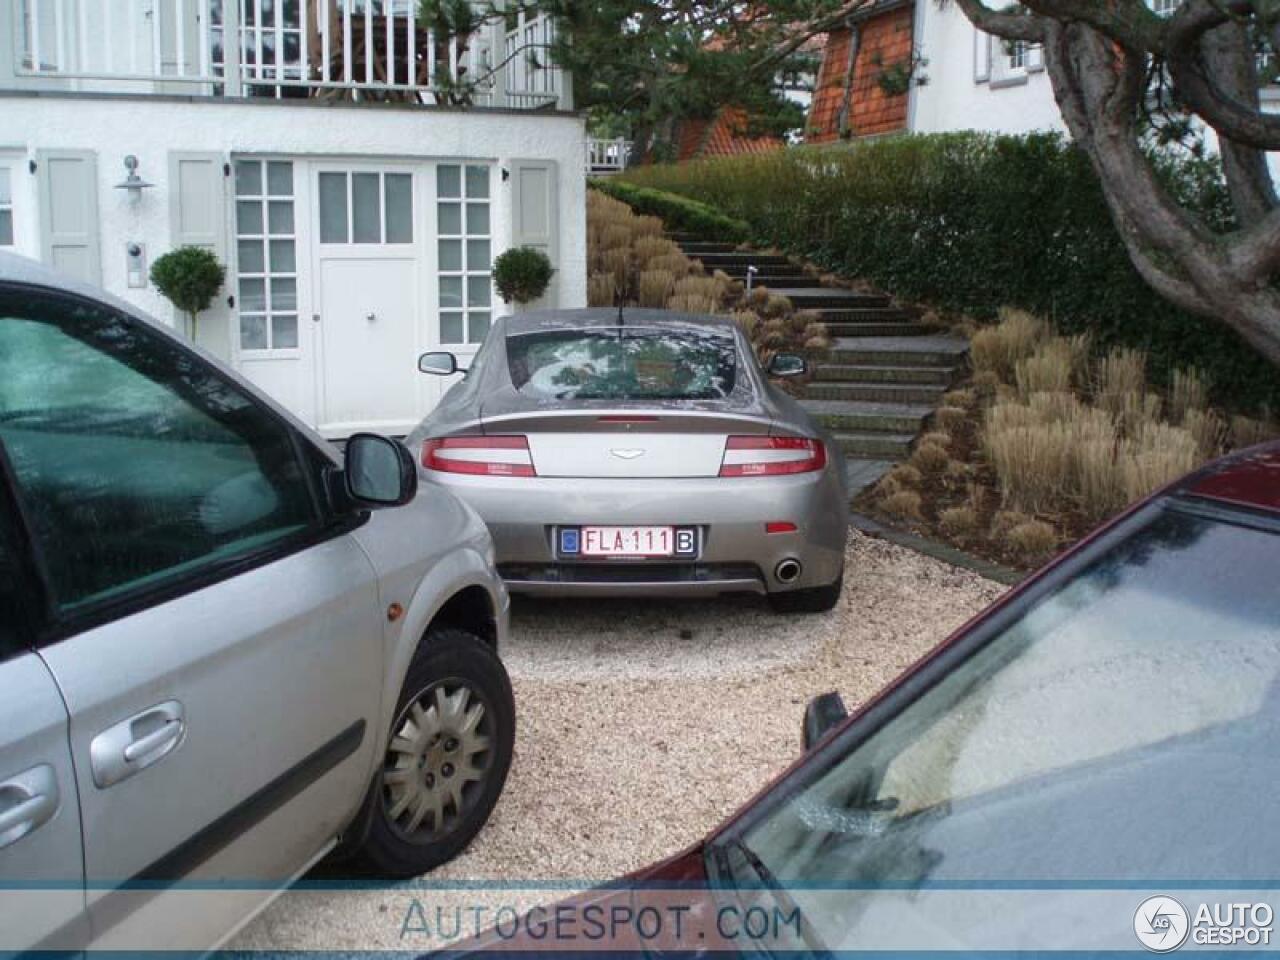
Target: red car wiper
point(770, 882)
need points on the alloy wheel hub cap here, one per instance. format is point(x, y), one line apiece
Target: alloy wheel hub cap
point(440, 746)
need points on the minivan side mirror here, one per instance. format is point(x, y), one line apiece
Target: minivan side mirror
point(378, 472)
point(787, 365)
point(440, 362)
point(824, 713)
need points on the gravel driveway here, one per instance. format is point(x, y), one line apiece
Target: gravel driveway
point(642, 724)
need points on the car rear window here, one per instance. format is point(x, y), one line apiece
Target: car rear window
point(624, 363)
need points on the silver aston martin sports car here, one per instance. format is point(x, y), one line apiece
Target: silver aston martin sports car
point(639, 452)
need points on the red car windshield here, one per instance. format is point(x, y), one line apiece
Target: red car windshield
point(1120, 731)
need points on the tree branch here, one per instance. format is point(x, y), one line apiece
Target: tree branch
point(1130, 22)
point(800, 36)
point(1227, 53)
point(1010, 26)
point(1219, 108)
point(1098, 89)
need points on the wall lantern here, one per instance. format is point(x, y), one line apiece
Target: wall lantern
point(133, 183)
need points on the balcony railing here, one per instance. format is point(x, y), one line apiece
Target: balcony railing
point(605, 157)
point(338, 49)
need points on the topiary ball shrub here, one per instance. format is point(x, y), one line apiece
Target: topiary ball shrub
point(190, 277)
point(522, 274)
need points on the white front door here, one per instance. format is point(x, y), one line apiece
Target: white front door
point(370, 297)
point(369, 369)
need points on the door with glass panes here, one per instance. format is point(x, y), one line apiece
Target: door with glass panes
point(274, 336)
point(464, 254)
point(369, 298)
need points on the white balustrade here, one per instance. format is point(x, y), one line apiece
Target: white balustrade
point(353, 49)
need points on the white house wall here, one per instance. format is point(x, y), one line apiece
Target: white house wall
point(150, 128)
point(953, 99)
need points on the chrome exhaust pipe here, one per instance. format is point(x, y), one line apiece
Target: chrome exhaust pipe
point(788, 571)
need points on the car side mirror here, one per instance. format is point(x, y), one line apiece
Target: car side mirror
point(787, 365)
point(824, 713)
point(441, 363)
point(379, 472)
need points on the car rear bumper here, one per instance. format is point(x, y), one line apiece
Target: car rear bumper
point(632, 579)
point(737, 554)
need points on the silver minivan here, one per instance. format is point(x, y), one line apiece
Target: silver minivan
point(220, 661)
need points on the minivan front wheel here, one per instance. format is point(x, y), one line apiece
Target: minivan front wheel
point(447, 757)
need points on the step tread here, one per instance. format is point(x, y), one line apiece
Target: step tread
point(932, 389)
point(888, 328)
point(866, 408)
point(873, 437)
point(952, 346)
point(879, 367)
point(746, 257)
point(832, 293)
point(773, 282)
point(871, 314)
point(862, 472)
point(779, 271)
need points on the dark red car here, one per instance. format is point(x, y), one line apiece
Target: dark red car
point(1114, 722)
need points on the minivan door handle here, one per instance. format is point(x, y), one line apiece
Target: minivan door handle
point(132, 745)
point(27, 801)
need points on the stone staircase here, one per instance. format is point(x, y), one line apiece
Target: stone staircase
point(885, 373)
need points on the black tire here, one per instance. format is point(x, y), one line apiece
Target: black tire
point(813, 600)
point(448, 660)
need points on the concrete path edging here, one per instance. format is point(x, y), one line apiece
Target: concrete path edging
point(939, 551)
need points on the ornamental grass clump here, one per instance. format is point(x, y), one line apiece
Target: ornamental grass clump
point(1033, 540)
point(1088, 438)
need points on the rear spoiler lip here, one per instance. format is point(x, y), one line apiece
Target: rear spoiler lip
point(725, 422)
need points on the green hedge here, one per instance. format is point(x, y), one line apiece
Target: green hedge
point(971, 222)
point(677, 212)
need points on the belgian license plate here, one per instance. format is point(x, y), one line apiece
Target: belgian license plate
point(618, 541)
point(628, 541)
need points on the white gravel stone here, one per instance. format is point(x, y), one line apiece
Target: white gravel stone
point(642, 724)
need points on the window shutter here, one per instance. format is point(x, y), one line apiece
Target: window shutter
point(535, 217)
point(1035, 58)
point(981, 56)
point(67, 181)
point(197, 202)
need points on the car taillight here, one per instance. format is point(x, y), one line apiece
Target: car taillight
point(771, 456)
point(482, 456)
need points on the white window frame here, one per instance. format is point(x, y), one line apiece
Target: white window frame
point(981, 56)
point(259, 42)
point(267, 276)
point(481, 315)
point(349, 175)
point(1015, 52)
point(23, 203)
point(7, 206)
point(1012, 61)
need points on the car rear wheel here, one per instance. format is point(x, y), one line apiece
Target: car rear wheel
point(813, 600)
point(447, 757)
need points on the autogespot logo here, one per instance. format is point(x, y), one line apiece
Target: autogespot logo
point(1161, 924)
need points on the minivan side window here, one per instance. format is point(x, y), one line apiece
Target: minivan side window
point(14, 611)
point(135, 462)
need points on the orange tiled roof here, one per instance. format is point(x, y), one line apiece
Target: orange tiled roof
point(723, 135)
